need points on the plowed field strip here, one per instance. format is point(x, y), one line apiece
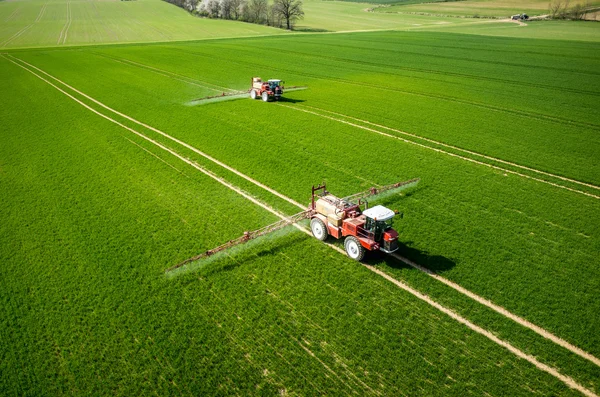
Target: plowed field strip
point(550, 370)
point(442, 151)
point(575, 181)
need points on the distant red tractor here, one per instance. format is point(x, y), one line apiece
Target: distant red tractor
point(368, 230)
point(267, 90)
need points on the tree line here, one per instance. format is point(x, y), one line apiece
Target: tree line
point(282, 13)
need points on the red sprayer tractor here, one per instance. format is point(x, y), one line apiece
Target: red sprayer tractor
point(362, 230)
point(267, 90)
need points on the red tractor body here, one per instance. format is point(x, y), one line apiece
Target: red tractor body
point(266, 90)
point(369, 230)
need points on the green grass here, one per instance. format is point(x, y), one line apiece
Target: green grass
point(482, 8)
point(87, 310)
point(92, 220)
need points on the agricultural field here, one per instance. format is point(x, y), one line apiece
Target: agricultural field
point(113, 168)
point(480, 8)
point(39, 23)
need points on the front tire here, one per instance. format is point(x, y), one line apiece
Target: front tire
point(265, 97)
point(319, 230)
point(253, 94)
point(354, 249)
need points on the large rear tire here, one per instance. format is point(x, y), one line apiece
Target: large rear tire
point(319, 230)
point(354, 249)
point(265, 97)
point(253, 94)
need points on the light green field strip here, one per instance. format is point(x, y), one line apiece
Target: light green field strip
point(458, 156)
point(459, 149)
point(444, 152)
point(453, 285)
point(548, 369)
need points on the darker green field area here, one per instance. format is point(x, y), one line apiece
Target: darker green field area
point(506, 148)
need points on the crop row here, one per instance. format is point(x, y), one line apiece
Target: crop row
point(88, 312)
point(300, 153)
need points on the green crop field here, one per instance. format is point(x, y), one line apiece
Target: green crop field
point(482, 8)
point(112, 170)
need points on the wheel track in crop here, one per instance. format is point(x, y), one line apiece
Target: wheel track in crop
point(62, 38)
point(20, 32)
point(570, 382)
point(449, 153)
point(12, 14)
point(433, 141)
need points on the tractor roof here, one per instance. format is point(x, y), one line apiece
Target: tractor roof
point(274, 81)
point(379, 212)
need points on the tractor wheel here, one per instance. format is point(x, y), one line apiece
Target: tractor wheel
point(354, 249)
point(319, 230)
point(253, 94)
point(265, 97)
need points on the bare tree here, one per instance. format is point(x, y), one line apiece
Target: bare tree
point(236, 8)
point(290, 10)
point(226, 9)
point(213, 7)
point(579, 11)
point(257, 10)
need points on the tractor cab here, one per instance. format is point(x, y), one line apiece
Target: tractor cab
point(379, 221)
point(274, 84)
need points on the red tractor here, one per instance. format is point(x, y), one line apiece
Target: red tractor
point(369, 230)
point(267, 90)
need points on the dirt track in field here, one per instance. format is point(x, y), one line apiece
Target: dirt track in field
point(449, 153)
point(550, 370)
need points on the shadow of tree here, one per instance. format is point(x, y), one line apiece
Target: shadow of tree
point(310, 30)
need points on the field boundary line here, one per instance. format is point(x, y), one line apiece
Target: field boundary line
point(443, 151)
point(214, 160)
point(460, 149)
point(520, 354)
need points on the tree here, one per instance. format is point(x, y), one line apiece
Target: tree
point(236, 6)
point(257, 10)
point(290, 10)
point(226, 9)
point(213, 7)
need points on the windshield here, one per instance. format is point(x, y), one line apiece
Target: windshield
point(378, 227)
point(273, 84)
